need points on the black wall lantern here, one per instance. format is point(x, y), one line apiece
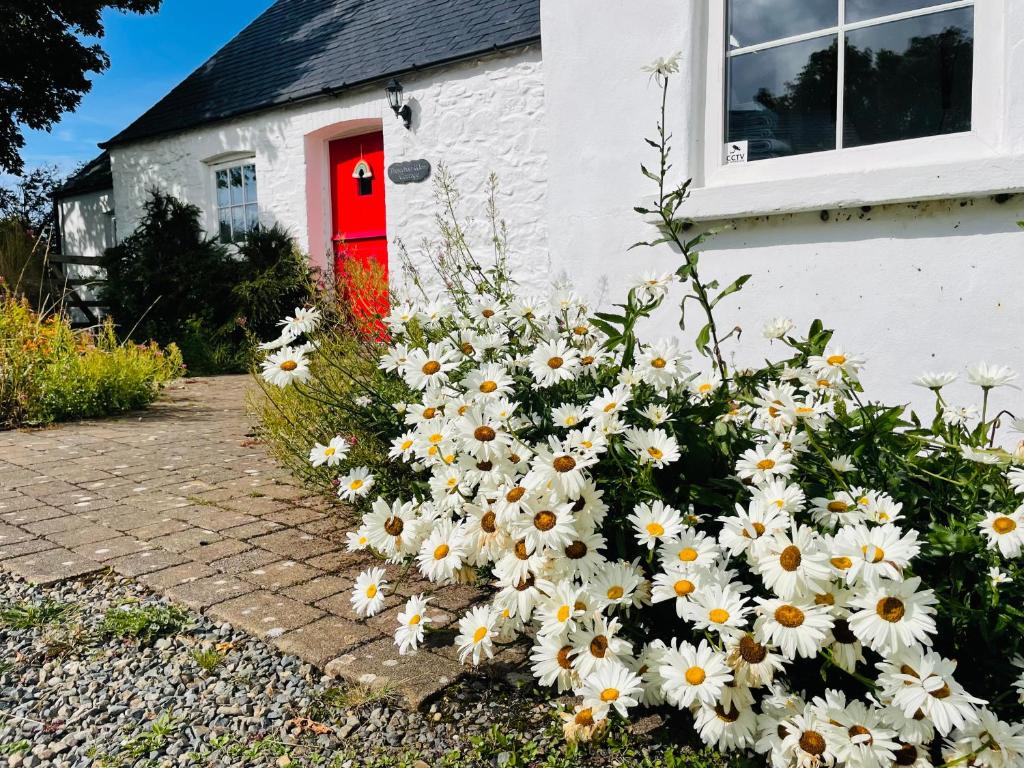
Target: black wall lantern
point(404, 111)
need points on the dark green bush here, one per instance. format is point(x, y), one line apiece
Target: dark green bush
point(169, 282)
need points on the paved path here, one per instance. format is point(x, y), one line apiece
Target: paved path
point(181, 499)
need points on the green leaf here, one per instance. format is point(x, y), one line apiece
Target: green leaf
point(734, 286)
point(703, 338)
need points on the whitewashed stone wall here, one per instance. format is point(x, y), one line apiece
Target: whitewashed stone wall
point(476, 117)
point(87, 228)
point(913, 286)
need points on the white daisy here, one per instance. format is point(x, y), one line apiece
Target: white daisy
point(368, 593)
point(693, 674)
point(893, 615)
point(611, 686)
point(356, 484)
point(476, 634)
point(655, 522)
point(411, 622)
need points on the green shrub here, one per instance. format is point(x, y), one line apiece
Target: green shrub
point(168, 281)
point(22, 266)
point(168, 272)
point(49, 372)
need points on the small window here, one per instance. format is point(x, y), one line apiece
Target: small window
point(814, 75)
point(237, 209)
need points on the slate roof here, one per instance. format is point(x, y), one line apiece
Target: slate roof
point(93, 177)
point(302, 49)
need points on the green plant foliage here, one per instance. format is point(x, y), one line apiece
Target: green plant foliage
point(144, 623)
point(22, 266)
point(49, 372)
point(29, 615)
point(168, 281)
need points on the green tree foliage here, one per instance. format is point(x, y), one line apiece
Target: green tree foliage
point(46, 61)
point(29, 200)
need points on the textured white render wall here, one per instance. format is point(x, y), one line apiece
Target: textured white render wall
point(86, 227)
point(475, 116)
point(86, 230)
point(911, 286)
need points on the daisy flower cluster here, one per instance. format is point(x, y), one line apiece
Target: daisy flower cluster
point(548, 463)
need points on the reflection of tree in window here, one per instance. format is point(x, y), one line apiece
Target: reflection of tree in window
point(903, 80)
point(806, 112)
point(924, 91)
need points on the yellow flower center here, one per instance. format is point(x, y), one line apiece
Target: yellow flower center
point(872, 553)
point(718, 615)
point(356, 484)
point(610, 407)
point(765, 464)
point(330, 450)
point(683, 587)
point(614, 593)
point(564, 464)
point(841, 563)
point(480, 634)
point(441, 552)
point(407, 445)
point(695, 675)
point(705, 388)
point(688, 554)
point(789, 616)
point(414, 620)
point(655, 453)
point(484, 434)
point(429, 413)
point(891, 609)
point(563, 613)
point(555, 363)
point(487, 387)
point(545, 521)
point(371, 591)
point(289, 365)
point(609, 694)
point(838, 506)
point(835, 359)
point(790, 558)
point(436, 438)
point(656, 529)
point(658, 362)
point(431, 367)
point(1003, 525)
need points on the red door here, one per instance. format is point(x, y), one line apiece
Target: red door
point(359, 223)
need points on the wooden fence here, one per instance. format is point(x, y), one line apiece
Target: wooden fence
point(58, 267)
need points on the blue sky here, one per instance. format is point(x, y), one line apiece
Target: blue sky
point(149, 55)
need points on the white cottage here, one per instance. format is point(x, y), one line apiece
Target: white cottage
point(861, 158)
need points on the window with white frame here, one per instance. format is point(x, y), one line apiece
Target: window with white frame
point(816, 75)
point(237, 209)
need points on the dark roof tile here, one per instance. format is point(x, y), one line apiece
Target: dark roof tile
point(297, 49)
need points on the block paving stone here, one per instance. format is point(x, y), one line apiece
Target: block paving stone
point(181, 499)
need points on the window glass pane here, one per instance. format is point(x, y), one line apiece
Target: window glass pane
point(860, 10)
point(249, 182)
point(236, 185)
point(758, 21)
point(783, 100)
point(238, 222)
point(222, 189)
point(225, 225)
point(252, 217)
point(908, 79)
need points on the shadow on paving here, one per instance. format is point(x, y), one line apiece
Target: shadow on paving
point(179, 498)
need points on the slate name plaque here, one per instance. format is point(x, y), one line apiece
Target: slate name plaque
point(409, 172)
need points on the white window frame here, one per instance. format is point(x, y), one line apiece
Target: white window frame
point(899, 171)
point(225, 162)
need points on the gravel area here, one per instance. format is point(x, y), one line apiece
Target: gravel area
point(72, 695)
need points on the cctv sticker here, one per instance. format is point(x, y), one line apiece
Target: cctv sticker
point(735, 152)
